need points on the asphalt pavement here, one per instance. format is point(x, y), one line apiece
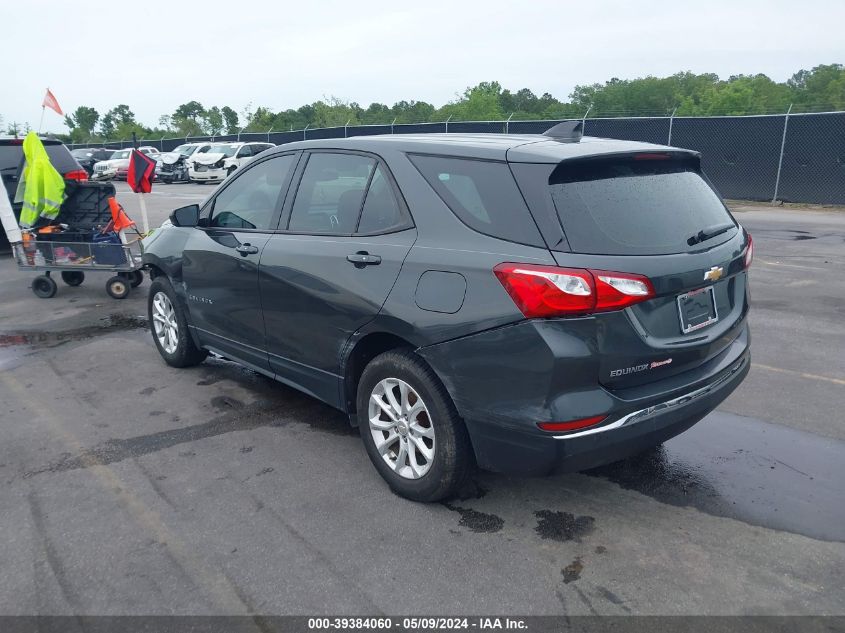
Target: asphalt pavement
point(128, 487)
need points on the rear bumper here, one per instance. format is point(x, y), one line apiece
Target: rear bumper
point(502, 415)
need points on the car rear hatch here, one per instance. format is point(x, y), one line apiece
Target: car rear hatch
point(648, 214)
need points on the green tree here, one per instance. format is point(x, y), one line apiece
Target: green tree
point(230, 119)
point(212, 121)
point(83, 117)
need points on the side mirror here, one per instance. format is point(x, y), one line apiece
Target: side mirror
point(186, 216)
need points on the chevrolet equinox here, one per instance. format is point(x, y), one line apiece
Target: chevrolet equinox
point(518, 303)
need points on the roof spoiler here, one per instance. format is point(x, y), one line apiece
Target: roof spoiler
point(566, 132)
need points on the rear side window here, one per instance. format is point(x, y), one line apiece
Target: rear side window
point(331, 193)
point(483, 194)
point(644, 204)
point(382, 212)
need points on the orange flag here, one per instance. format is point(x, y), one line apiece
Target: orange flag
point(118, 216)
point(50, 102)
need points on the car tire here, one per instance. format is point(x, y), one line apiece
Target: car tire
point(426, 419)
point(169, 326)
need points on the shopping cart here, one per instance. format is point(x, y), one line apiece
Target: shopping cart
point(74, 258)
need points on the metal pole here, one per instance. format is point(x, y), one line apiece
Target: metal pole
point(239, 133)
point(307, 125)
point(780, 160)
point(392, 124)
point(584, 120)
point(447, 123)
point(161, 144)
point(671, 121)
point(508, 124)
point(268, 132)
point(346, 126)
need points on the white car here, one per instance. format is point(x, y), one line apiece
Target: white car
point(222, 159)
point(173, 166)
point(117, 166)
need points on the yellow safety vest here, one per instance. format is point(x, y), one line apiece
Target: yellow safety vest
point(44, 189)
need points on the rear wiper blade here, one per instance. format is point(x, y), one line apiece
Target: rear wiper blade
point(709, 233)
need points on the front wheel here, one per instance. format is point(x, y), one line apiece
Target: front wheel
point(44, 287)
point(169, 327)
point(411, 429)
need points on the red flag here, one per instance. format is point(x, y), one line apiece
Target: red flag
point(118, 216)
point(50, 102)
point(139, 177)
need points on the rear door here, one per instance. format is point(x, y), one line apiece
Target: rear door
point(220, 259)
point(651, 214)
point(328, 272)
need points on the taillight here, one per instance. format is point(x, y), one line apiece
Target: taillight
point(77, 174)
point(549, 291)
point(572, 425)
point(749, 251)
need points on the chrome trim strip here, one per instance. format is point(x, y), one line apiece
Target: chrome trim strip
point(636, 416)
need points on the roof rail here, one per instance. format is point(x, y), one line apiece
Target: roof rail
point(566, 132)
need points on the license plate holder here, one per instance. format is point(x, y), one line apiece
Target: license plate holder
point(697, 309)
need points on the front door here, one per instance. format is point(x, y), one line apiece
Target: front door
point(330, 272)
point(220, 260)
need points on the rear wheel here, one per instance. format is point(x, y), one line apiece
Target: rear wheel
point(169, 327)
point(411, 429)
point(44, 287)
point(73, 277)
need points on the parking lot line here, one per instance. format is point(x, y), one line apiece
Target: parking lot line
point(781, 370)
point(217, 584)
point(763, 261)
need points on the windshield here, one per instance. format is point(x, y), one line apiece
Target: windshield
point(644, 204)
point(226, 150)
point(185, 150)
point(123, 153)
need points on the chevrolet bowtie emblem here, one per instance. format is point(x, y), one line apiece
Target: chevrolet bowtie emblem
point(714, 274)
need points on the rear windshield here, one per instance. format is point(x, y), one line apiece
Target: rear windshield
point(483, 194)
point(645, 204)
point(60, 157)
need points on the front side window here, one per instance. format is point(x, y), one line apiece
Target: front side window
point(251, 199)
point(331, 193)
point(246, 150)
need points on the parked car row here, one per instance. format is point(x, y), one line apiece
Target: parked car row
point(189, 162)
point(116, 165)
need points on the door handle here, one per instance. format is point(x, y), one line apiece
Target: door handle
point(246, 249)
point(363, 258)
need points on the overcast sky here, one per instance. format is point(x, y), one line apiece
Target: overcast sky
point(156, 55)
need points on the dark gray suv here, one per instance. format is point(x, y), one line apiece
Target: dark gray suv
point(520, 303)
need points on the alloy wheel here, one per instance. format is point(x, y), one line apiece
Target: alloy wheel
point(164, 323)
point(401, 428)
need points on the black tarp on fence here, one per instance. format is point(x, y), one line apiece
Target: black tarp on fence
point(739, 154)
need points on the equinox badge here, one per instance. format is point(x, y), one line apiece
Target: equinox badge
point(714, 274)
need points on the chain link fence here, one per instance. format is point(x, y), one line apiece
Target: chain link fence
point(793, 158)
